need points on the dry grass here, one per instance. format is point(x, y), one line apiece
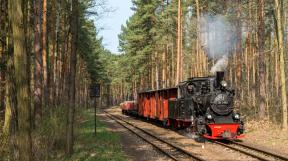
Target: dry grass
point(267, 134)
point(259, 125)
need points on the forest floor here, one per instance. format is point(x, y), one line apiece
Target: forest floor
point(267, 134)
point(105, 146)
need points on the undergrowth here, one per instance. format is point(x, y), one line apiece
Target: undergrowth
point(49, 139)
point(49, 136)
point(105, 146)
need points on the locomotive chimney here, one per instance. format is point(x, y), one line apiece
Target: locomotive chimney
point(219, 77)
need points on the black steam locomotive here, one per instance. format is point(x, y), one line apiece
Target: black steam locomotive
point(207, 103)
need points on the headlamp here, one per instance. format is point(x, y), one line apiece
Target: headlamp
point(209, 117)
point(236, 116)
point(223, 83)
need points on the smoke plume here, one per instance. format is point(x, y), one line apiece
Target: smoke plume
point(220, 65)
point(218, 40)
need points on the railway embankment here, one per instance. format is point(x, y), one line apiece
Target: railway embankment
point(200, 149)
point(204, 150)
point(134, 147)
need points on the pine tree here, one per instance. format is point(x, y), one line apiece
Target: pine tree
point(24, 139)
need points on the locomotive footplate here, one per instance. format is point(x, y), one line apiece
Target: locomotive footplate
point(223, 131)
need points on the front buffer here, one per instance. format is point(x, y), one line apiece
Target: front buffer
point(224, 131)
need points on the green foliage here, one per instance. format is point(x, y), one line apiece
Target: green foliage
point(89, 50)
point(90, 46)
point(137, 37)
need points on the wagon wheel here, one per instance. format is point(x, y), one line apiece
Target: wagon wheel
point(174, 125)
point(164, 123)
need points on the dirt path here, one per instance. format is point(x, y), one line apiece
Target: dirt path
point(135, 148)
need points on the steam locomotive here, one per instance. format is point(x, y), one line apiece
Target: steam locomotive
point(202, 104)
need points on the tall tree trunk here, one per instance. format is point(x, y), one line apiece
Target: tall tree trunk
point(57, 65)
point(44, 53)
point(72, 75)
point(10, 115)
point(52, 67)
point(11, 121)
point(173, 76)
point(157, 70)
point(198, 50)
point(152, 73)
point(38, 64)
point(3, 56)
point(253, 77)
point(260, 52)
point(164, 67)
point(247, 63)
point(276, 69)
point(21, 78)
point(239, 50)
point(179, 41)
point(181, 44)
point(282, 63)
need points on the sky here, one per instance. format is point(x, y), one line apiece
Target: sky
point(112, 22)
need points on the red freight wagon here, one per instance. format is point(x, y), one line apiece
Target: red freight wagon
point(128, 107)
point(154, 104)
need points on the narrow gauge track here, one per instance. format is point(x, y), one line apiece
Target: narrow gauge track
point(253, 151)
point(172, 151)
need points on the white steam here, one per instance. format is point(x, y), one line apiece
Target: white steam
point(220, 65)
point(218, 40)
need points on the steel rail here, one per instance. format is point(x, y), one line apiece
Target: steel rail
point(146, 140)
point(183, 151)
point(279, 156)
point(248, 153)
